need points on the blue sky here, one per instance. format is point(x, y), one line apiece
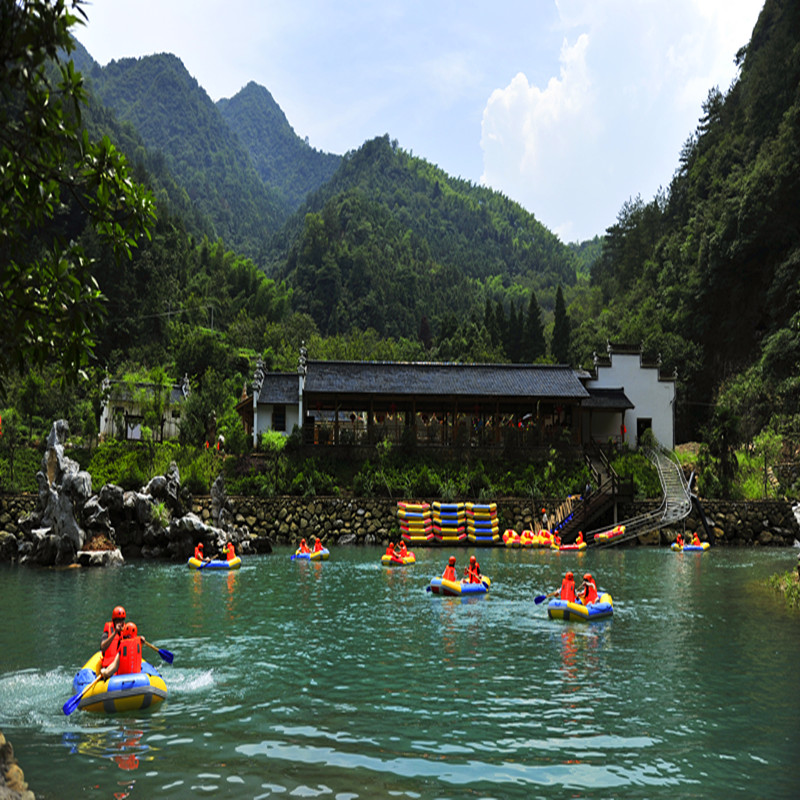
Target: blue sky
point(569, 107)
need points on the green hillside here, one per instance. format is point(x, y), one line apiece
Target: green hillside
point(708, 274)
point(174, 116)
point(392, 238)
point(282, 159)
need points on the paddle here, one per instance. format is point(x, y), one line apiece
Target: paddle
point(542, 597)
point(206, 563)
point(165, 654)
point(72, 703)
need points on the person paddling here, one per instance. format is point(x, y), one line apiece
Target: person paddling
point(112, 633)
point(231, 551)
point(449, 573)
point(472, 572)
point(303, 547)
point(588, 590)
point(567, 591)
point(318, 548)
point(128, 659)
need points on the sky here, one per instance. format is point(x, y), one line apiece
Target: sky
point(569, 107)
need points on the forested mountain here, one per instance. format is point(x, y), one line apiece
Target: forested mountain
point(391, 239)
point(282, 159)
point(174, 116)
point(708, 273)
point(391, 257)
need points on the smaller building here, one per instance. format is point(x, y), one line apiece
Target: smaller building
point(628, 395)
point(123, 411)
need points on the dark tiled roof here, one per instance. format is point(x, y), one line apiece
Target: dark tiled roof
point(280, 387)
point(607, 399)
point(432, 380)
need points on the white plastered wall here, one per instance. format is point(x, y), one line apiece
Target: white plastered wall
point(652, 398)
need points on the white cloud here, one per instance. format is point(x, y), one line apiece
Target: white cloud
point(610, 126)
point(526, 129)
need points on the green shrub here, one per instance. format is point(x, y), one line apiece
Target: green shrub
point(645, 476)
point(787, 584)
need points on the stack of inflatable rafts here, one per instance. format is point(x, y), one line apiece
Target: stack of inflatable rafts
point(416, 522)
point(483, 526)
point(449, 523)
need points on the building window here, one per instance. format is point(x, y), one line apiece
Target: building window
point(279, 418)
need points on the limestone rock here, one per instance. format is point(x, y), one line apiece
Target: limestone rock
point(100, 558)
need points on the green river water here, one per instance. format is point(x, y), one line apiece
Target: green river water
point(345, 679)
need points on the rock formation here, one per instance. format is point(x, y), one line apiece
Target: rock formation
point(71, 525)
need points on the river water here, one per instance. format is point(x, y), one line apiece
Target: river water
point(345, 679)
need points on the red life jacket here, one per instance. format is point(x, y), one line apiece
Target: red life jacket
point(318, 546)
point(449, 573)
point(113, 647)
point(591, 593)
point(474, 574)
point(198, 552)
point(231, 551)
point(130, 656)
point(568, 590)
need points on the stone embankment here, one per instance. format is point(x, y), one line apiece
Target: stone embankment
point(337, 520)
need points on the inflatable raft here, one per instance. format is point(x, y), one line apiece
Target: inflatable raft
point(398, 561)
point(563, 609)
point(511, 538)
point(607, 536)
point(458, 588)
point(573, 547)
point(234, 563)
point(314, 555)
point(133, 692)
point(697, 548)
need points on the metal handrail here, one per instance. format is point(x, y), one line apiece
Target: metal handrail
point(673, 507)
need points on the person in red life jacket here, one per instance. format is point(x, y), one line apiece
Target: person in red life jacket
point(588, 591)
point(449, 573)
point(403, 550)
point(128, 660)
point(303, 547)
point(679, 540)
point(472, 572)
point(318, 548)
point(696, 540)
point(112, 633)
point(231, 551)
point(556, 539)
point(568, 588)
point(198, 552)
point(579, 540)
point(390, 550)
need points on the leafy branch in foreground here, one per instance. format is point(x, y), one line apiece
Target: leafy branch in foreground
point(53, 181)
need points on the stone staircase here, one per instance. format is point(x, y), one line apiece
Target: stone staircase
point(675, 506)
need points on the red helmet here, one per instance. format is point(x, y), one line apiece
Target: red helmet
point(472, 559)
point(200, 545)
point(452, 559)
point(129, 630)
point(569, 575)
point(118, 613)
point(588, 577)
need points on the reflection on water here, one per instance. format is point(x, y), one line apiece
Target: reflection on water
point(347, 679)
